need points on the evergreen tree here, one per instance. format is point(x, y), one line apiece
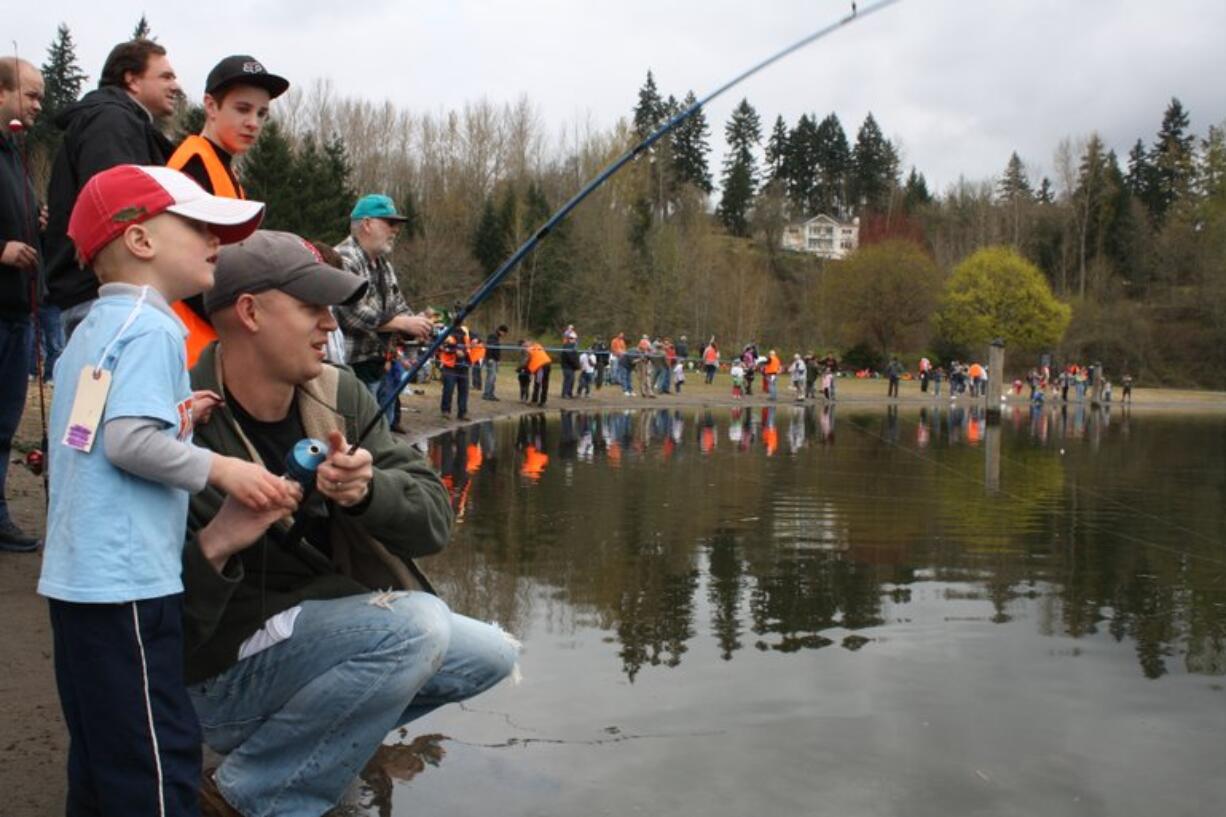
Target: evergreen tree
point(800, 165)
point(414, 223)
point(915, 191)
point(63, 81)
point(1173, 161)
point(142, 30)
point(548, 269)
point(874, 168)
point(737, 200)
point(649, 112)
point(744, 133)
point(691, 146)
point(1090, 196)
point(268, 170)
point(777, 150)
point(1140, 174)
point(508, 219)
point(1014, 186)
point(489, 239)
point(1211, 172)
point(1045, 194)
point(833, 162)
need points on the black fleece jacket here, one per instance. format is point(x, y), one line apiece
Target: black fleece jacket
point(18, 222)
point(106, 128)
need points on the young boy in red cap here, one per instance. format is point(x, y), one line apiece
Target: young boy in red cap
point(121, 467)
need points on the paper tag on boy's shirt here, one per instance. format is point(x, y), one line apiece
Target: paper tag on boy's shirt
point(86, 415)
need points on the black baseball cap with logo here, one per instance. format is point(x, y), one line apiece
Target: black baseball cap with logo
point(242, 69)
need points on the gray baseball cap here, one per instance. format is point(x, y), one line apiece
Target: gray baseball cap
point(275, 260)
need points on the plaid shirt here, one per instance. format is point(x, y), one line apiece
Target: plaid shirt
point(380, 304)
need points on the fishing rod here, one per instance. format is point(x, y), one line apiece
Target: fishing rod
point(292, 540)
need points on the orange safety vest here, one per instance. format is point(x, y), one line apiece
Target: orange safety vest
point(451, 358)
point(773, 366)
point(537, 358)
point(710, 356)
point(200, 332)
point(219, 179)
point(476, 351)
point(618, 346)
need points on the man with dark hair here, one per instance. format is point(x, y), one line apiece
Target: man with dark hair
point(113, 125)
point(21, 99)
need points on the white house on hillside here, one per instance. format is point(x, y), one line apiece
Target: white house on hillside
point(823, 236)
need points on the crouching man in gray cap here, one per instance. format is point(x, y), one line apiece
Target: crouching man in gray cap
point(297, 672)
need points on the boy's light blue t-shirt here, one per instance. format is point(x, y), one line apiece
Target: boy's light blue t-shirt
point(112, 536)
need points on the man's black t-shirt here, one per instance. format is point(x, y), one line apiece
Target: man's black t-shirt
point(273, 442)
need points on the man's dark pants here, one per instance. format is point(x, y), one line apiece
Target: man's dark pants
point(14, 357)
point(455, 379)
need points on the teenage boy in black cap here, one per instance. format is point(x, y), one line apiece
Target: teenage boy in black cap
point(237, 94)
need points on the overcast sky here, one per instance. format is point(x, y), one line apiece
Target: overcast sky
point(959, 83)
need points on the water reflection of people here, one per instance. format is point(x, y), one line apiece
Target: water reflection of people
point(796, 430)
point(531, 442)
point(707, 437)
point(736, 430)
point(770, 434)
point(827, 424)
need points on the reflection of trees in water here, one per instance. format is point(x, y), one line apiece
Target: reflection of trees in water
point(792, 552)
point(726, 572)
point(798, 595)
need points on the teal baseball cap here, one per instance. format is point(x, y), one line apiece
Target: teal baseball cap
point(376, 205)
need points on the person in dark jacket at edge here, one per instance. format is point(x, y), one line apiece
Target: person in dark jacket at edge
point(116, 124)
point(21, 100)
point(298, 672)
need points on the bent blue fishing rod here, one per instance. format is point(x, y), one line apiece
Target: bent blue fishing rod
point(307, 455)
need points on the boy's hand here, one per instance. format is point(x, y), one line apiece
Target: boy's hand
point(203, 403)
point(236, 527)
point(344, 478)
point(252, 485)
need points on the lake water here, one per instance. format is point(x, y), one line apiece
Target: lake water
point(853, 612)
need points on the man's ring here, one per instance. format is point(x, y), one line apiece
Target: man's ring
point(337, 485)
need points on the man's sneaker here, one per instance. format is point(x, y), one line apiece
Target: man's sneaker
point(14, 540)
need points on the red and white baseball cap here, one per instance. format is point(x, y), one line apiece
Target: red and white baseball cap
point(124, 195)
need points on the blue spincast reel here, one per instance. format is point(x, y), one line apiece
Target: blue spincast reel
point(304, 459)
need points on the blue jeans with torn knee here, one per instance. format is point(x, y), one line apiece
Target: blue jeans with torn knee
point(299, 720)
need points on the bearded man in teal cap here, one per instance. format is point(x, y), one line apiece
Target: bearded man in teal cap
point(373, 323)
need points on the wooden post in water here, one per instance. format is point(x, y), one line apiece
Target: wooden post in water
point(991, 452)
point(996, 378)
point(1096, 386)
